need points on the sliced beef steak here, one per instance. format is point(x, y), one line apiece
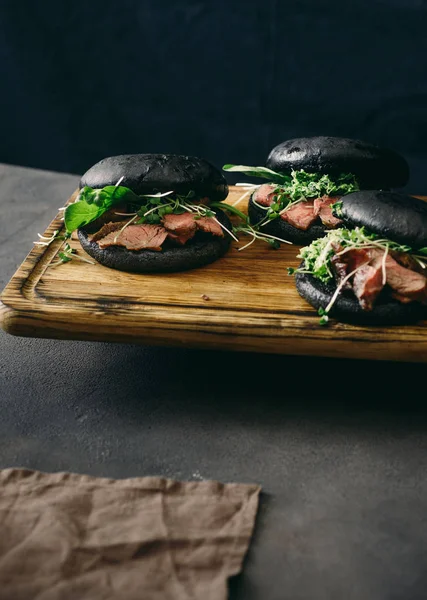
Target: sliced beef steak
point(177, 228)
point(264, 195)
point(183, 227)
point(209, 225)
point(178, 224)
point(367, 285)
point(339, 267)
point(105, 230)
point(300, 215)
point(356, 257)
point(303, 213)
point(346, 261)
point(322, 209)
point(180, 228)
point(136, 237)
point(405, 283)
point(367, 282)
point(375, 270)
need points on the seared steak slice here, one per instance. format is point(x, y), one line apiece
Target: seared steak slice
point(356, 257)
point(346, 262)
point(404, 282)
point(180, 224)
point(322, 209)
point(367, 285)
point(339, 267)
point(105, 230)
point(300, 215)
point(136, 237)
point(209, 225)
point(181, 238)
point(264, 195)
point(180, 228)
point(372, 264)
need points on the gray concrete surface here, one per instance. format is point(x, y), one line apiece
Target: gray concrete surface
point(340, 447)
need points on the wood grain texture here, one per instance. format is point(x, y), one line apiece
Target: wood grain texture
point(253, 306)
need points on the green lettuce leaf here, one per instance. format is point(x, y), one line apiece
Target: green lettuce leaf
point(93, 203)
point(262, 172)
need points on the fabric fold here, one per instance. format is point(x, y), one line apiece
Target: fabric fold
point(65, 535)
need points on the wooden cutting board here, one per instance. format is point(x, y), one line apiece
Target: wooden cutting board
point(244, 301)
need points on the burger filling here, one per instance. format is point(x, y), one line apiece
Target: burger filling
point(300, 214)
point(119, 217)
point(367, 267)
point(301, 199)
point(177, 229)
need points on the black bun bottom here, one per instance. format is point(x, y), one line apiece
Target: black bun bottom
point(202, 250)
point(281, 229)
point(348, 310)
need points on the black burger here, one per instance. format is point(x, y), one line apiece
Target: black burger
point(372, 269)
point(307, 175)
point(151, 213)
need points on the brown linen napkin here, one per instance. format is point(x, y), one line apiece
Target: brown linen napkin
point(65, 536)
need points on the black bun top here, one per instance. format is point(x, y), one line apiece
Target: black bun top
point(151, 173)
point(398, 217)
point(375, 167)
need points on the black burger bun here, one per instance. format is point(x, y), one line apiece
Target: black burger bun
point(395, 216)
point(203, 249)
point(151, 173)
point(375, 167)
point(284, 230)
point(346, 308)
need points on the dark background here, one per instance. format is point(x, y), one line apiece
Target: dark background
point(224, 80)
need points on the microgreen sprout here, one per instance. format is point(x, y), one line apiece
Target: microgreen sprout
point(254, 232)
point(248, 229)
point(68, 254)
point(249, 189)
point(324, 318)
point(46, 241)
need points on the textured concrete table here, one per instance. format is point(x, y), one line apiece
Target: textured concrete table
point(340, 447)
